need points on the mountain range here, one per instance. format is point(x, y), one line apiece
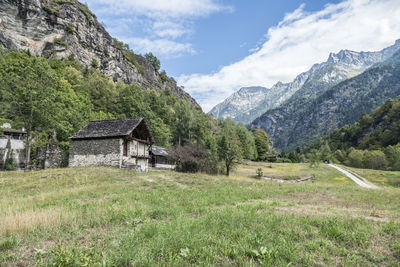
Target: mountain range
point(248, 103)
point(303, 119)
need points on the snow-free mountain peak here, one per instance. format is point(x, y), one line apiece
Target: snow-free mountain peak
point(247, 104)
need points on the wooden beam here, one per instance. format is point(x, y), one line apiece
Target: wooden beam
point(139, 140)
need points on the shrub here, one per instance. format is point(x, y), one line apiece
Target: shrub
point(259, 173)
point(314, 157)
point(59, 41)
point(393, 157)
point(375, 160)
point(355, 158)
point(153, 60)
point(95, 63)
point(70, 28)
point(10, 164)
point(50, 10)
point(340, 155)
point(163, 76)
point(191, 158)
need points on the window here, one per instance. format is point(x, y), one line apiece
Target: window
point(125, 148)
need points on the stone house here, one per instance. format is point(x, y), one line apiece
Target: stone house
point(12, 147)
point(122, 143)
point(160, 158)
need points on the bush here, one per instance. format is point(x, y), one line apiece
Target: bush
point(340, 155)
point(163, 76)
point(153, 60)
point(59, 41)
point(51, 10)
point(191, 158)
point(95, 63)
point(314, 157)
point(70, 28)
point(259, 173)
point(10, 164)
point(374, 160)
point(355, 158)
point(393, 157)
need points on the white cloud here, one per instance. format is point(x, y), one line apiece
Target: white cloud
point(160, 47)
point(297, 42)
point(162, 8)
point(161, 22)
point(171, 29)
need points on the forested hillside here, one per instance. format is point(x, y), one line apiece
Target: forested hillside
point(304, 120)
point(372, 142)
point(54, 98)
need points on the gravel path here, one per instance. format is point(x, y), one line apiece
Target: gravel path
point(352, 177)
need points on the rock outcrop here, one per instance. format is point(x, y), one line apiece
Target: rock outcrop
point(67, 28)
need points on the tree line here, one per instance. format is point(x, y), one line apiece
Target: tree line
point(52, 99)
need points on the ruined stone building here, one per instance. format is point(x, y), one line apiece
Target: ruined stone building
point(12, 148)
point(123, 143)
point(51, 156)
point(160, 158)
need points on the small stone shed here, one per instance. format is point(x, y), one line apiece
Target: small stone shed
point(122, 143)
point(160, 158)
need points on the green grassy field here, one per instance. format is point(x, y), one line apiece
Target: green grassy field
point(378, 177)
point(107, 217)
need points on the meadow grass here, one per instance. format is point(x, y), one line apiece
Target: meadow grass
point(379, 177)
point(98, 216)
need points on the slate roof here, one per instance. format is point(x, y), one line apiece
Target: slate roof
point(159, 151)
point(108, 128)
point(12, 131)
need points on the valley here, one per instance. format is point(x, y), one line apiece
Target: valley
point(107, 160)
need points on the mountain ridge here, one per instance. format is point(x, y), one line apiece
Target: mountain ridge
point(338, 67)
point(303, 120)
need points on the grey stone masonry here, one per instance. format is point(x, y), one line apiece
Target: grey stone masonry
point(100, 152)
point(51, 156)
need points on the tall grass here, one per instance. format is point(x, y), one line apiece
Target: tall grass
point(104, 216)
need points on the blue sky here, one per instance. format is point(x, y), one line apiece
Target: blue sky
point(214, 47)
point(227, 37)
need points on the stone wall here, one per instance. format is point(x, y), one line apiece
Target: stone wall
point(143, 165)
point(97, 152)
point(51, 156)
point(164, 166)
point(108, 152)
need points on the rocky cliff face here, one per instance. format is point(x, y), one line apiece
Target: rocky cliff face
point(245, 107)
point(240, 103)
point(67, 28)
point(250, 102)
